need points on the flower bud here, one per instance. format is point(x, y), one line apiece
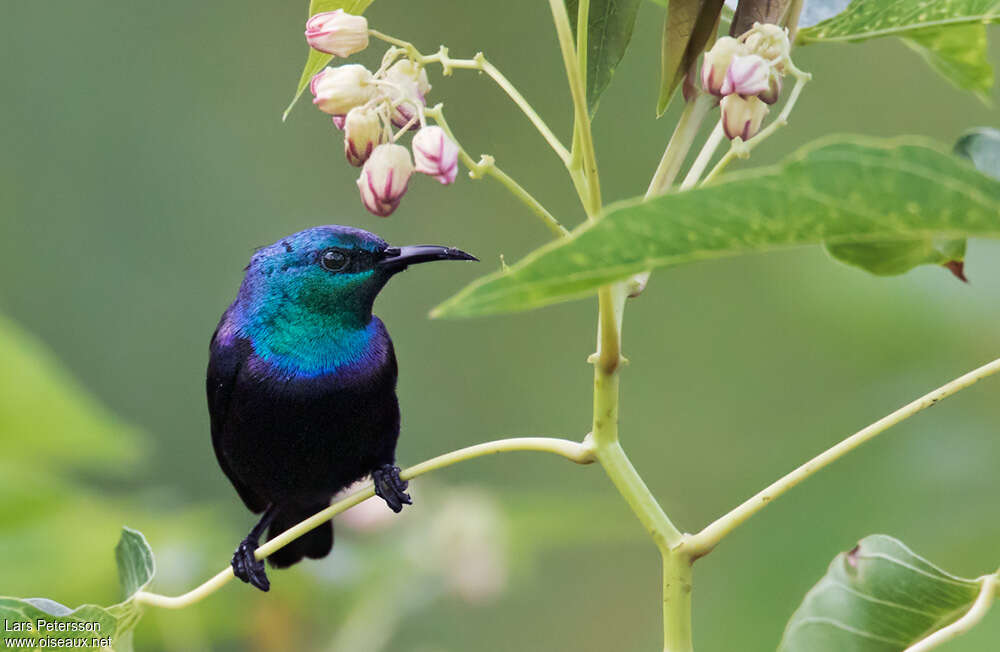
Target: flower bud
point(435, 154)
point(768, 41)
point(338, 90)
point(773, 92)
point(338, 121)
point(408, 86)
point(742, 116)
point(362, 133)
point(337, 32)
point(746, 75)
point(384, 178)
point(716, 63)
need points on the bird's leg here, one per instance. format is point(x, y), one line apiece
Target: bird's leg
point(245, 565)
point(390, 487)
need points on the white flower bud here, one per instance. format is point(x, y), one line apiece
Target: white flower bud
point(362, 133)
point(408, 86)
point(742, 116)
point(768, 41)
point(338, 90)
point(337, 32)
point(435, 154)
point(384, 178)
point(716, 63)
point(746, 75)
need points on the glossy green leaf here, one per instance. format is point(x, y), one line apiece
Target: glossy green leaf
point(982, 147)
point(688, 28)
point(94, 625)
point(949, 34)
point(610, 25)
point(316, 59)
point(879, 597)
point(838, 191)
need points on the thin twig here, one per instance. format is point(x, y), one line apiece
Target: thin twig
point(581, 453)
point(703, 542)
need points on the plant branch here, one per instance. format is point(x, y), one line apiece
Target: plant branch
point(703, 542)
point(976, 612)
point(581, 453)
point(578, 91)
point(704, 156)
point(479, 62)
point(487, 166)
point(680, 144)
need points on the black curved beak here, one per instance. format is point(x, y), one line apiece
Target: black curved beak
point(399, 258)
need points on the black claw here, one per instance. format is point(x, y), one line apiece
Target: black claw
point(248, 568)
point(390, 487)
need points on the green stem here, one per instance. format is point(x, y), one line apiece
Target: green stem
point(703, 542)
point(677, 586)
point(487, 166)
point(479, 62)
point(581, 453)
point(704, 156)
point(581, 115)
point(680, 144)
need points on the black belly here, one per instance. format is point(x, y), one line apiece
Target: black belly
point(306, 439)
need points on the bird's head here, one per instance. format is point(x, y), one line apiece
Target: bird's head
point(326, 274)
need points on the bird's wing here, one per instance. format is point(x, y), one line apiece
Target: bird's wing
point(224, 364)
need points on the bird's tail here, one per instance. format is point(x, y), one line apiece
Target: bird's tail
point(315, 544)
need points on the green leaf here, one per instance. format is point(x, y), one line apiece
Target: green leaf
point(316, 59)
point(837, 191)
point(688, 27)
point(91, 623)
point(949, 34)
point(609, 30)
point(982, 147)
point(896, 257)
point(47, 420)
point(135, 562)
point(879, 597)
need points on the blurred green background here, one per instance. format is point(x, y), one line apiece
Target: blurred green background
point(142, 159)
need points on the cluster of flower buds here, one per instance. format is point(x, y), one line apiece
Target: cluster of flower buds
point(366, 106)
point(746, 74)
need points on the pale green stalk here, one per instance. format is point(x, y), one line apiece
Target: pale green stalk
point(680, 144)
point(703, 542)
point(479, 62)
point(487, 166)
point(581, 453)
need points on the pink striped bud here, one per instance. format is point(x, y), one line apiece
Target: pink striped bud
point(773, 92)
point(362, 133)
point(746, 76)
point(435, 154)
point(742, 116)
point(716, 63)
point(338, 121)
point(384, 178)
point(337, 33)
point(408, 86)
point(338, 90)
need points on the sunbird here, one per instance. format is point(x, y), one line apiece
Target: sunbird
point(301, 384)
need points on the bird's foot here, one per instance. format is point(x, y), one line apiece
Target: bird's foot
point(248, 568)
point(390, 487)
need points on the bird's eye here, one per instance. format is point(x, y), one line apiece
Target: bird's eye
point(334, 260)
